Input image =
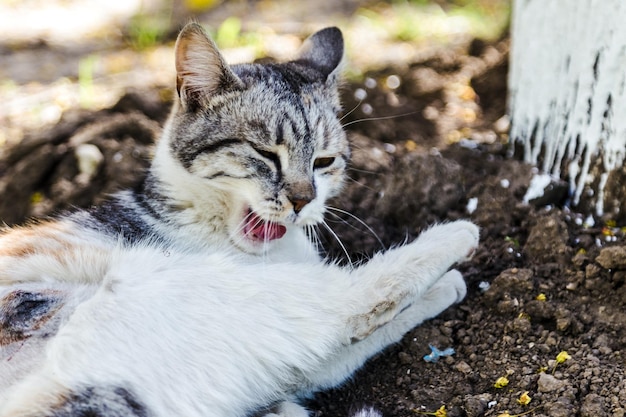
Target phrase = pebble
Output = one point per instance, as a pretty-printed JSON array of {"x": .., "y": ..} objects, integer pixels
[
  {"x": 548, "y": 383},
  {"x": 612, "y": 257},
  {"x": 474, "y": 406},
  {"x": 462, "y": 366},
  {"x": 593, "y": 406}
]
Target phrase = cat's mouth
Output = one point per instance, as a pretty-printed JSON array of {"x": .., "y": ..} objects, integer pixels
[{"x": 259, "y": 230}]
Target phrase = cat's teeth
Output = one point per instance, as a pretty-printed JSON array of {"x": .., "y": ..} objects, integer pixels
[{"x": 260, "y": 230}]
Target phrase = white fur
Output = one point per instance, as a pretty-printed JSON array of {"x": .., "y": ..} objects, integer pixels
[
  {"x": 209, "y": 322},
  {"x": 197, "y": 335}
]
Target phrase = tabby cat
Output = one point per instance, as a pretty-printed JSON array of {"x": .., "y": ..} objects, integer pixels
[{"x": 199, "y": 293}]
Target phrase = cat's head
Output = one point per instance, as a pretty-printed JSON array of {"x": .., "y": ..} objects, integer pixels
[{"x": 264, "y": 137}]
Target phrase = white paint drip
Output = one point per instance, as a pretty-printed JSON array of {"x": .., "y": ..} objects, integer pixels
[
  {"x": 537, "y": 186},
  {"x": 567, "y": 82}
]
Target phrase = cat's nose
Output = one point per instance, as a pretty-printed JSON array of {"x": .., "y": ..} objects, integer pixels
[
  {"x": 300, "y": 193},
  {"x": 299, "y": 202}
]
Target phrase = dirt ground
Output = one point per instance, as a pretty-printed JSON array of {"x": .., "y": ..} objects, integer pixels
[{"x": 545, "y": 279}]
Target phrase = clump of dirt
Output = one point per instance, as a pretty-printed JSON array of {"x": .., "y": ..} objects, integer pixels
[{"x": 543, "y": 281}]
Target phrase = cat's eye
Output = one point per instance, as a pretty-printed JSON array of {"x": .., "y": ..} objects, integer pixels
[
  {"x": 323, "y": 162},
  {"x": 266, "y": 154},
  {"x": 270, "y": 156}
]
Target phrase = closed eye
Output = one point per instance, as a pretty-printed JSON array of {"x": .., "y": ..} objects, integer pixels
[
  {"x": 266, "y": 154},
  {"x": 273, "y": 157},
  {"x": 320, "y": 163}
]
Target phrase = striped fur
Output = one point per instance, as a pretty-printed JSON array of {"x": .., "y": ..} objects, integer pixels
[{"x": 198, "y": 293}]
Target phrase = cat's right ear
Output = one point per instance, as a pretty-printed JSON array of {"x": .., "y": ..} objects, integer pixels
[{"x": 201, "y": 71}]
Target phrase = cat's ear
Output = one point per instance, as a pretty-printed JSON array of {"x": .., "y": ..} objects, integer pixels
[
  {"x": 201, "y": 71},
  {"x": 323, "y": 51}
]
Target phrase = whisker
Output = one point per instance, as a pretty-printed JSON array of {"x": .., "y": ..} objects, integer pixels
[
  {"x": 316, "y": 238},
  {"x": 241, "y": 226},
  {"x": 338, "y": 241},
  {"x": 353, "y": 109},
  {"x": 243, "y": 222},
  {"x": 347, "y": 213},
  {"x": 369, "y": 119},
  {"x": 362, "y": 171},
  {"x": 362, "y": 185}
]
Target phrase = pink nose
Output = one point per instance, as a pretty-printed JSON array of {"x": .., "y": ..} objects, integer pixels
[{"x": 299, "y": 203}]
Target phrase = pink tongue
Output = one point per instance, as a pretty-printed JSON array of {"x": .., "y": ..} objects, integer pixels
[{"x": 261, "y": 230}]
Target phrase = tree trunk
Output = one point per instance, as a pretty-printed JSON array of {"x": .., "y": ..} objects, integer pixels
[{"x": 567, "y": 96}]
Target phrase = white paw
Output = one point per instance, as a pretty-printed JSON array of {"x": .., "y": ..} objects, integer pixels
[
  {"x": 288, "y": 409},
  {"x": 461, "y": 237},
  {"x": 448, "y": 290},
  {"x": 453, "y": 281}
]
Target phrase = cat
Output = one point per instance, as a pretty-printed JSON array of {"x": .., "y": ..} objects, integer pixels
[{"x": 199, "y": 293}]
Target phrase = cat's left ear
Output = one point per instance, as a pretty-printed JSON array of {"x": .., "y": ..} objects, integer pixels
[
  {"x": 323, "y": 51},
  {"x": 201, "y": 70}
]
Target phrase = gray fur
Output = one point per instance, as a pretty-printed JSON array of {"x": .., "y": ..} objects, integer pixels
[
  {"x": 227, "y": 126},
  {"x": 100, "y": 402}
]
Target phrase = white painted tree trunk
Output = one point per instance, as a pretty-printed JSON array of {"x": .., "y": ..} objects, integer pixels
[{"x": 567, "y": 86}]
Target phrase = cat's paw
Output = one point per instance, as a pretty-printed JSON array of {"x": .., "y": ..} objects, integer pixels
[
  {"x": 460, "y": 238},
  {"x": 453, "y": 281},
  {"x": 288, "y": 409},
  {"x": 448, "y": 290}
]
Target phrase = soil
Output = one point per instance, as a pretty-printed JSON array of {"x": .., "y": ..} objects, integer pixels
[{"x": 545, "y": 279}]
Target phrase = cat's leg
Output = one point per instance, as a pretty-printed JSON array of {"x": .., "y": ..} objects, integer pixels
[
  {"x": 288, "y": 409},
  {"x": 404, "y": 286},
  {"x": 449, "y": 289},
  {"x": 402, "y": 275}
]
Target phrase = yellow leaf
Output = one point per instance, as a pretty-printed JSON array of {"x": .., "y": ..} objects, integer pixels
[
  {"x": 562, "y": 357},
  {"x": 541, "y": 297},
  {"x": 524, "y": 399},
  {"x": 441, "y": 412},
  {"x": 501, "y": 382}
]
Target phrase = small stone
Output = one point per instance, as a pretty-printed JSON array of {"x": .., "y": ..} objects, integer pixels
[
  {"x": 548, "y": 383},
  {"x": 521, "y": 325},
  {"x": 474, "y": 406},
  {"x": 505, "y": 307},
  {"x": 559, "y": 409},
  {"x": 462, "y": 366},
  {"x": 563, "y": 323},
  {"x": 593, "y": 406},
  {"x": 612, "y": 257},
  {"x": 509, "y": 283},
  {"x": 540, "y": 310},
  {"x": 592, "y": 271}
]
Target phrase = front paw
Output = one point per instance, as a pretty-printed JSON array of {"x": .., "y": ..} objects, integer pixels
[
  {"x": 460, "y": 238},
  {"x": 454, "y": 283},
  {"x": 448, "y": 290}
]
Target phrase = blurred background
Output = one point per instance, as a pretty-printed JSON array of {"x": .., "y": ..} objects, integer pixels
[
  {"x": 86, "y": 85},
  {"x": 61, "y": 54}
]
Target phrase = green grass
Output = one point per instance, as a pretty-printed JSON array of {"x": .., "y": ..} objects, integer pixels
[{"x": 417, "y": 20}]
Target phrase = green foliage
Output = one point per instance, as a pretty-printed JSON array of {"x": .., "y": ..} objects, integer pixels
[
  {"x": 228, "y": 33},
  {"x": 86, "y": 67},
  {"x": 414, "y": 20},
  {"x": 145, "y": 31}
]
